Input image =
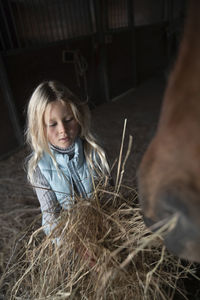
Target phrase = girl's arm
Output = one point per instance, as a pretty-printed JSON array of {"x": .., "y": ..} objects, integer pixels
[{"x": 48, "y": 202}]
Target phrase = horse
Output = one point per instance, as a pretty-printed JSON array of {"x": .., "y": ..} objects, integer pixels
[{"x": 169, "y": 172}]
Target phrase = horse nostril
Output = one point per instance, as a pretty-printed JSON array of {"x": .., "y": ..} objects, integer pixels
[
  {"x": 170, "y": 203},
  {"x": 148, "y": 221}
]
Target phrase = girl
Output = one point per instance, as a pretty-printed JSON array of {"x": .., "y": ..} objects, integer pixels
[{"x": 66, "y": 158}]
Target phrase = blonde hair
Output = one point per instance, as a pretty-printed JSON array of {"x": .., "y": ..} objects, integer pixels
[{"x": 36, "y": 137}]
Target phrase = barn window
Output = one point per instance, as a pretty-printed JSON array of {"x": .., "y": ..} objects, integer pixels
[
  {"x": 117, "y": 14},
  {"x": 35, "y": 22}
]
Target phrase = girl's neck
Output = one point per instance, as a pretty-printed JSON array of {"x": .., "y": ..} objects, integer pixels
[{"x": 63, "y": 150}]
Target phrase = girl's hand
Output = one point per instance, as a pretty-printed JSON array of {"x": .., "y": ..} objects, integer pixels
[{"x": 89, "y": 258}]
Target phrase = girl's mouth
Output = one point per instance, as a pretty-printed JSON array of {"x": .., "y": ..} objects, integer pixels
[{"x": 64, "y": 139}]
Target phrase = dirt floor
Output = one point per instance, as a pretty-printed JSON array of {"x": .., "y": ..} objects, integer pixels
[{"x": 141, "y": 108}]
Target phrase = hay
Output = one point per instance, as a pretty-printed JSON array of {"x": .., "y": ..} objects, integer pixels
[{"x": 105, "y": 252}]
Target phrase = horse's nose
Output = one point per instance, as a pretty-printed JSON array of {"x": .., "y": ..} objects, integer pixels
[{"x": 174, "y": 217}]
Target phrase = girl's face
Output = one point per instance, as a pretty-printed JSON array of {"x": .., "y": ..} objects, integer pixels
[{"x": 61, "y": 126}]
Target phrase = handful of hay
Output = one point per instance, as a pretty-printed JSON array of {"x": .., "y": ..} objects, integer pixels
[{"x": 104, "y": 252}]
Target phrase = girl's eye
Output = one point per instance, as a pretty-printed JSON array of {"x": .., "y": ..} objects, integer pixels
[
  {"x": 52, "y": 125},
  {"x": 69, "y": 120}
]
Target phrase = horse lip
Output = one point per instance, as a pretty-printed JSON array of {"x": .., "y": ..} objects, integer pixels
[
  {"x": 181, "y": 237},
  {"x": 167, "y": 223}
]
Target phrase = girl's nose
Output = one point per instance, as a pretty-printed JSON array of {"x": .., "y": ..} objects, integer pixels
[{"x": 62, "y": 128}]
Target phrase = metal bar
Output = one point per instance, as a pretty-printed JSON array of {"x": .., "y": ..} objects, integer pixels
[
  {"x": 168, "y": 9},
  {"x": 76, "y": 18},
  {"x": 163, "y": 14},
  {"x": 120, "y": 10},
  {"x": 21, "y": 24},
  {"x": 104, "y": 14},
  {"x": 52, "y": 21},
  {"x": 124, "y": 14},
  {"x": 83, "y": 18},
  {"x": 14, "y": 23},
  {"x": 103, "y": 72},
  {"x": 45, "y": 21},
  {"x": 131, "y": 24},
  {"x": 40, "y": 19},
  {"x": 75, "y": 9},
  {"x": 126, "y": 9},
  {"x": 36, "y": 12},
  {"x": 6, "y": 26},
  {"x": 123, "y": 11},
  {"x": 88, "y": 17},
  {"x": 62, "y": 25},
  {"x": 2, "y": 41},
  {"x": 119, "y": 16},
  {"x": 30, "y": 31},
  {"x": 93, "y": 17},
  {"x": 60, "y": 19},
  {"x": 110, "y": 16},
  {"x": 130, "y": 11},
  {"x": 56, "y": 19},
  {"x": 10, "y": 102},
  {"x": 68, "y": 23},
  {"x": 32, "y": 14},
  {"x": 116, "y": 17},
  {"x": 49, "y": 18},
  {"x": 65, "y": 25}
]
